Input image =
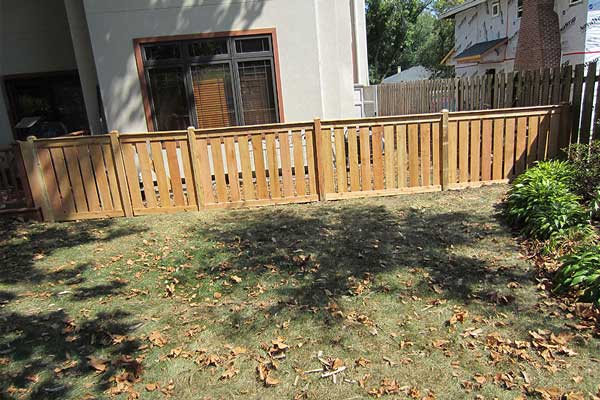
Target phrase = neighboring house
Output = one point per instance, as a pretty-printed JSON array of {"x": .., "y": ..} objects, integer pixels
[
  {"x": 505, "y": 35},
  {"x": 415, "y": 73},
  {"x": 145, "y": 65}
]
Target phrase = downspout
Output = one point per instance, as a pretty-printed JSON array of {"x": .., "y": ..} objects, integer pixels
[{"x": 319, "y": 58}]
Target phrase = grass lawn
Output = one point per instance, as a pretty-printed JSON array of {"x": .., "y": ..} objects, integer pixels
[{"x": 422, "y": 296}]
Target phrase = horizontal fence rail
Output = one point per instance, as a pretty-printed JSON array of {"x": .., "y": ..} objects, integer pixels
[{"x": 164, "y": 172}]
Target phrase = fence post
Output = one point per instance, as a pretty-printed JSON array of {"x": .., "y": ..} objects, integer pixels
[
  {"x": 191, "y": 137},
  {"x": 444, "y": 167},
  {"x": 565, "y": 127},
  {"x": 115, "y": 145},
  {"x": 35, "y": 178},
  {"x": 317, "y": 145},
  {"x": 22, "y": 175}
]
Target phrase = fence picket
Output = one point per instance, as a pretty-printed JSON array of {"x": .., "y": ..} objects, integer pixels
[
  {"x": 366, "y": 176},
  {"x": 299, "y": 172},
  {"x": 377, "y": 148}
]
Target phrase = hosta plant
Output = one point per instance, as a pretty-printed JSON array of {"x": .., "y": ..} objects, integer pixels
[
  {"x": 541, "y": 204},
  {"x": 580, "y": 273}
]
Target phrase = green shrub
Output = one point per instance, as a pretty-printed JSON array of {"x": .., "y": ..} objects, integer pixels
[
  {"x": 541, "y": 203},
  {"x": 580, "y": 272},
  {"x": 586, "y": 173}
]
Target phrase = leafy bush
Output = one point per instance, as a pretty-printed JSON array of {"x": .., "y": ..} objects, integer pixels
[
  {"x": 541, "y": 203},
  {"x": 586, "y": 177},
  {"x": 581, "y": 272}
]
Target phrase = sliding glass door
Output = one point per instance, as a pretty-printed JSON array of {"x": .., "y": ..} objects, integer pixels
[{"x": 167, "y": 88}]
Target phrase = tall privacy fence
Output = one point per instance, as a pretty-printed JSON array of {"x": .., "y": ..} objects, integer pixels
[
  {"x": 576, "y": 85},
  {"x": 150, "y": 173}
]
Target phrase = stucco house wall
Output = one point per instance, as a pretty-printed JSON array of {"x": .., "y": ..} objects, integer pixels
[
  {"x": 314, "y": 43},
  {"x": 34, "y": 38}
]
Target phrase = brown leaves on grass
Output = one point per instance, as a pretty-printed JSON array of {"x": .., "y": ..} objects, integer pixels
[
  {"x": 362, "y": 362},
  {"x": 457, "y": 316},
  {"x": 124, "y": 381},
  {"x": 229, "y": 372},
  {"x": 98, "y": 364},
  {"x": 157, "y": 339},
  {"x": 554, "y": 393},
  {"x": 264, "y": 369},
  {"x": 278, "y": 348},
  {"x": 500, "y": 346},
  {"x": 392, "y": 387}
]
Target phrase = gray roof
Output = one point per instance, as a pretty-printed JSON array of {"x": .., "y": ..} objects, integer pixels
[
  {"x": 462, "y": 7},
  {"x": 415, "y": 73},
  {"x": 480, "y": 48}
]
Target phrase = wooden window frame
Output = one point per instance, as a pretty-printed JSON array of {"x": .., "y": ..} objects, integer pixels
[{"x": 138, "y": 44}]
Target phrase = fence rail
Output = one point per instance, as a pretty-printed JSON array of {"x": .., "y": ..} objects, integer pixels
[
  {"x": 162, "y": 172},
  {"x": 578, "y": 85}
]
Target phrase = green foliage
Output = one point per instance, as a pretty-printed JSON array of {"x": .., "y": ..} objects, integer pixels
[
  {"x": 586, "y": 163},
  {"x": 580, "y": 272},
  {"x": 542, "y": 205},
  {"x": 388, "y": 25},
  {"x": 406, "y": 33}
]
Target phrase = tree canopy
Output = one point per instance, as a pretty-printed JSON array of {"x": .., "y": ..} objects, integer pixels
[{"x": 406, "y": 33}]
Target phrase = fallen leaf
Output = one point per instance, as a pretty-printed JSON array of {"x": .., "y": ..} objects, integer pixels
[
  {"x": 157, "y": 339},
  {"x": 97, "y": 364},
  {"x": 151, "y": 387}
]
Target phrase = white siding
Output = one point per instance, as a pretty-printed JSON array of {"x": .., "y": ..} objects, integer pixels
[{"x": 477, "y": 25}]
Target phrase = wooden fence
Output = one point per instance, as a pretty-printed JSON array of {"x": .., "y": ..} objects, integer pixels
[
  {"x": 14, "y": 189},
  {"x": 578, "y": 85},
  {"x": 163, "y": 172}
]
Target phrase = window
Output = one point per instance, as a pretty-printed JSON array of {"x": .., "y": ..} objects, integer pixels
[
  {"x": 210, "y": 83},
  {"x": 55, "y": 99},
  {"x": 495, "y": 9},
  {"x": 519, "y": 8}
]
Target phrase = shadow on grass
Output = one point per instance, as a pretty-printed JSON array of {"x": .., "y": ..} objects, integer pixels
[
  {"x": 330, "y": 249},
  {"x": 21, "y": 243},
  {"x": 51, "y": 342},
  {"x": 47, "y": 348}
]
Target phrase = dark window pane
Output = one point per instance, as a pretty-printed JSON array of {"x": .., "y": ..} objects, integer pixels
[
  {"x": 252, "y": 45},
  {"x": 258, "y": 94},
  {"x": 169, "y": 99},
  {"x": 57, "y": 100},
  {"x": 208, "y": 48},
  {"x": 162, "y": 51},
  {"x": 213, "y": 95}
]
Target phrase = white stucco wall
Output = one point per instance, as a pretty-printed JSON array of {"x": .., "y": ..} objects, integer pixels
[
  {"x": 314, "y": 42},
  {"x": 86, "y": 66},
  {"x": 34, "y": 37}
]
